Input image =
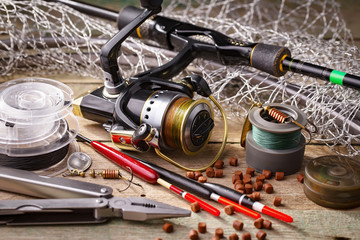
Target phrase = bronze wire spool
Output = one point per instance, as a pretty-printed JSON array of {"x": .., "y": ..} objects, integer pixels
[{"x": 333, "y": 182}]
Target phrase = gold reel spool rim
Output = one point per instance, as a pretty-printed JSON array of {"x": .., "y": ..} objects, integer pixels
[{"x": 221, "y": 150}]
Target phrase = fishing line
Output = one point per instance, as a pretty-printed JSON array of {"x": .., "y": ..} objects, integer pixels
[
  {"x": 275, "y": 141},
  {"x": 32, "y": 163}
]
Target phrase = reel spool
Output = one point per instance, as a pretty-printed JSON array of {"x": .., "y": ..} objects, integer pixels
[
  {"x": 333, "y": 181},
  {"x": 36, "y": 123},
  {"x": 274, "y": 144}
]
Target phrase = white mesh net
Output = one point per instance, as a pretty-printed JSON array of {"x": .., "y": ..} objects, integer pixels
[{"x": 40, "y": 37}]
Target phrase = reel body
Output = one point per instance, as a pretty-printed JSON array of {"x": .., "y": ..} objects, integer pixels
[{"x": 154, "y": 112}]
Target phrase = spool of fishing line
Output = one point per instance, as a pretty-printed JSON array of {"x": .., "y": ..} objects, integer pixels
[
  {"x": 333, "y": 181},
  {"x": 275, "y": 143},
  {"x": 37, "y": 126}
]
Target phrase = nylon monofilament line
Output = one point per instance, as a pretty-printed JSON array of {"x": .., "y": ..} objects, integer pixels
[{"x": 37, "y": 126}]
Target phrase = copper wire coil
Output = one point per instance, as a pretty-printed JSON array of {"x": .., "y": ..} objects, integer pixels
[
  {"x": 278, "y": 115},
  {"x": 110, "y": 174}
]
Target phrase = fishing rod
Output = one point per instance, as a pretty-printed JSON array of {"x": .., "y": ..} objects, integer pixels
[{"x": 197, "y": 42}]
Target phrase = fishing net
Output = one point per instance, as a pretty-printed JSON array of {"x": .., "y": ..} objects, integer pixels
[{"x": 38, "y": 38}]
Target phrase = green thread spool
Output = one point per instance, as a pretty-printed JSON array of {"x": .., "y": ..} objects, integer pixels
[
  {"x": 271, "y": 140},
  {"x": 275, "y": 146}
]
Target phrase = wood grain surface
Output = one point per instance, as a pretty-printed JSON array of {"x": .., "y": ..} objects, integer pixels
[{"x": 311, "y": 221}]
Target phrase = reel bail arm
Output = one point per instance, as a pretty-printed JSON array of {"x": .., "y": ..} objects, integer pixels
[{"x": 114, "y": 82}]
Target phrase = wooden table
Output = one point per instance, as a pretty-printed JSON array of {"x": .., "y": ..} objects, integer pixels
[{"x": 311, "y": 221}]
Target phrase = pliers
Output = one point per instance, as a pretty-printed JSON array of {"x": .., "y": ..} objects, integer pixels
[
  {"x": 83, "y": 202},
  {"x": 84, "y": 210}
]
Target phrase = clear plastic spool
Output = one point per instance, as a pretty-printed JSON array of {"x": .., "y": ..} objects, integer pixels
[
  {"x": 35, "y": 117},
  {"x": 333, "y": 181}
]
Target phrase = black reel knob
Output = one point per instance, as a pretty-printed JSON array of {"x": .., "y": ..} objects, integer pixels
[
  {"x": 140, "y": 135},
  {"x": 201, "y": 128}
]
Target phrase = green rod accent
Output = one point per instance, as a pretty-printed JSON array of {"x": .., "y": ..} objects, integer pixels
[{"x": 337, "y": 77}]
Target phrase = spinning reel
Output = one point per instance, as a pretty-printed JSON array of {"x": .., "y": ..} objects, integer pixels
[{"x": 148, "y": 110}]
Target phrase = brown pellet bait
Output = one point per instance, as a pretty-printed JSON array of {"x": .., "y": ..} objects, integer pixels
[
  {"x": 168, "y": 227},
  {"x": 247, "y": 175},
  {"x": 250, "y": 171},
  {"x": 256, "y": 196},
  {"x": 233, "y": 161},
  {"x": 190, "y": 175},
  {"x": 195, "y": 207},
  {"x": 238, "y": 182},
  {"x": 193, "y": 235},
  {"x": 202, "y": 179},
  {"x": 239, "y": 173},
  {"x": 279, "y": 176},
  {"x": 210, "y": 172},
  {"x": 267, "y": 174},
  {"x": 261, "y": 235},
  {"x": 258, "y": 223},
  {"x": 202, "y": 227},
  {"x": 219, "y": 173},
  {"x": 260, "y": 178},
  {"x": 300, "y": 177},
  {"x": 258, "y": 186},
  {"x": 235, "y": 178},
  {"x": 219, "y": 232},
  {"x": 197, "y": 175},
  {"x": 248, "y": 188},
  {"x": 246, "y": 236},
  {"x": 234, "y": 236},
  {"x": 246, "y": 179},
  {"x": 267, "y": 224},
  {"x": 229, "y": 209},
  {"x": 277, "y": 201},
  {"x": 215, "y": 238},
  {"x": 268, "y": 188},
  {"x": 239, "y": 186},
  {"x": 238, "y": 225},
  {"x": 219, "y": 164}
]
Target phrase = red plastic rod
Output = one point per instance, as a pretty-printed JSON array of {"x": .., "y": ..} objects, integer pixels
[
  {"x": 140, "y": 170},
  {"x": 276, "y": 214},
  {"x": 191, "y": 198}
]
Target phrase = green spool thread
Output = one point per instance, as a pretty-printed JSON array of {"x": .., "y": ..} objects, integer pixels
[{"x": 276, "y": 141}]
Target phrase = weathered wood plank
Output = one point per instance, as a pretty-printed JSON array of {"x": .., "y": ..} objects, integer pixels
[{"x": 310, "y": 220}]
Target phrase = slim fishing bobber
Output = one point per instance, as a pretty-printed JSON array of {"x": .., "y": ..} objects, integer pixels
[{"x": 275, "y": 142}]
